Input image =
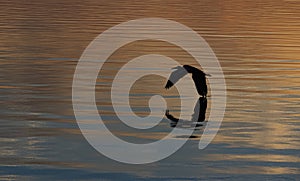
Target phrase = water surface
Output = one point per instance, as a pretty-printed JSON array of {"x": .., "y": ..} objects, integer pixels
[{"x": 256, "y": 42}]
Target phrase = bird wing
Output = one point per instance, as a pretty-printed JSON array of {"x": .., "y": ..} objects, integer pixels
[
  {"x": 175, "y": 76},
  {"x": 200, "y": 83}
]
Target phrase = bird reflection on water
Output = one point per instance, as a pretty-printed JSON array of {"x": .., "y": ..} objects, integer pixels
[{"x": 197, "y": 117}]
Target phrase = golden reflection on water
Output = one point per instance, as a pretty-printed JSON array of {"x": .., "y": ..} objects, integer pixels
[
  {"x": 255, "y": 157},
  {"x": 258, "y": 170}
]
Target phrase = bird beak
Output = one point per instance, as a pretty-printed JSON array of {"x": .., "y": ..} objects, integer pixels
[{"x": 208, "y": 75}]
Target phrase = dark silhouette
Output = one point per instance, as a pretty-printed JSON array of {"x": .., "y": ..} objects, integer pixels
[
  {"x": 198, "y": 116},
  {"x": 199, "y": 78}
]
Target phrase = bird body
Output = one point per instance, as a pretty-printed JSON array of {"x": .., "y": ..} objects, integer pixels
[{"x": 198, "y": 76}]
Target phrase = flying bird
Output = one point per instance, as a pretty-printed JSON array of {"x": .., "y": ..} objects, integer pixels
[{"x": 199, "y": 78}]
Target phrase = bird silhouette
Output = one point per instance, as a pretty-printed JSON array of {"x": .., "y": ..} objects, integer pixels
[{"x": 199, "y": 78}]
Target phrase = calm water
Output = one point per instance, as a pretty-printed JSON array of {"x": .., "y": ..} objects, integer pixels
[{"x": 256, "y": 42}]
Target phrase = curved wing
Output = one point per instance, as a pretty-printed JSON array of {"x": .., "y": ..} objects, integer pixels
[{"x": 175, "y": 76}]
